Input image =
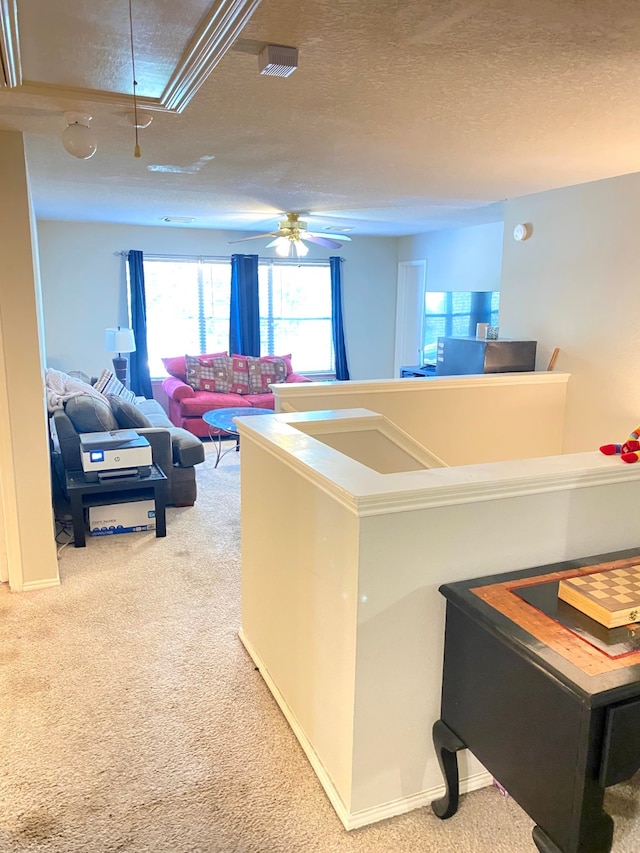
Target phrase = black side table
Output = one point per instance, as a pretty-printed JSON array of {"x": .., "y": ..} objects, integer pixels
[
  {"x": 547, "y": 702},
  {"x": 83, "y": 494}
]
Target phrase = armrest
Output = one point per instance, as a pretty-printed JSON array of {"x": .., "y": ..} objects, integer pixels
[
  {"x": 176, "y": 389},
  {"x": 297, "y": 377},
  {"x": 68, "y": 441},
  {"x": 161, "y": 451}
]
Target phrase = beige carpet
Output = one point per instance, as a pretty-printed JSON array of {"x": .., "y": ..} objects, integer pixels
[{"x": 132, "y": 719}]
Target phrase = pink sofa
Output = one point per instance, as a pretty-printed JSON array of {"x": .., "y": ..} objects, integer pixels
[{"x": 187, "y": 405}]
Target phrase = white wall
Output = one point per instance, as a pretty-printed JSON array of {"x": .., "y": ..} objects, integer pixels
[
  {"x": 25, "y": 482},
  {"x": 574, "y": 284},
  {"x": 459, "y": 259},
  {"x": 84, "y": 288}
]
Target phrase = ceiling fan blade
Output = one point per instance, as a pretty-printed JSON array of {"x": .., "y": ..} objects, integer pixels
[
  {"x": 321, "y": 241},
  {"x": 272, "y": 243},
  {"x": 342, "y": 237},
  {"x": 256, "y": 237}
]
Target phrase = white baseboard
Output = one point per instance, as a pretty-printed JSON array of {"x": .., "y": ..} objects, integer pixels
[
  {"x": 354, "y": 820},
  {"x": 31, "y": 585}
]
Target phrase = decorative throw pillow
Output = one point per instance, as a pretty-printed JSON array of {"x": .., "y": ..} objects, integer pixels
[
  {"x": 239, "y": 374},
  {"x": 176, "y": 365},
  {"x": 215, "y": 374},
  {"x": 109, "y": 385},
  {"x": 192, "y": 368},
  {"x": 264, "y": 372},
  {"x": 127, "y": 415},
  {"x": 286, "y": 358},
  {"x": 90, "y": 414}
]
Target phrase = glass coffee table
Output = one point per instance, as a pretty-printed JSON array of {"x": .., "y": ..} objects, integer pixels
[{"x": 222, "y": 420}]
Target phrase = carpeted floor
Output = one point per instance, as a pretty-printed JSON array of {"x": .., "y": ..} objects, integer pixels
[{"x": 132, "y": 719}]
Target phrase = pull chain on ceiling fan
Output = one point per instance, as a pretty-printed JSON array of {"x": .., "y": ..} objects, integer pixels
[{"x": 290, "y": 237}]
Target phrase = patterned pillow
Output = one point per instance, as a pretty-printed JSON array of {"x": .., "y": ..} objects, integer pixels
[
  {"x": 209, "y": 373},
  {"x": 239, "y": 374},
  {"x": 176, "y": 365},
  {"x": 192, "y": 370},
  {"x": 264, "y": 372},
  {"x": 215, "y": 374},
  {"x": 286, "y": 358},
  {"x": 109, "y": 385}
]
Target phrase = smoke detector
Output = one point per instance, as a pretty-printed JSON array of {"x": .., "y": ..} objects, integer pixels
[{"x": 276, "y": 60}]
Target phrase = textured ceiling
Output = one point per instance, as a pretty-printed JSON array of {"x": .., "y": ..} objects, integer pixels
[{"x": 401, "y": 117}]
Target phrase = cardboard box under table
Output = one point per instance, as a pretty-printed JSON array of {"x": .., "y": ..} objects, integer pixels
[{"x": 130, "y": 517}]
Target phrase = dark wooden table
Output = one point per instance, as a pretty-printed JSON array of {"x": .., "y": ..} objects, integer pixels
[
  {"x": 545, "y": 698},
  {"x": 117, "y": 490}
]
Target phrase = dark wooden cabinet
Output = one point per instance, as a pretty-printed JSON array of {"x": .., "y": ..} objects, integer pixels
[{"x": 554, "y": 718}]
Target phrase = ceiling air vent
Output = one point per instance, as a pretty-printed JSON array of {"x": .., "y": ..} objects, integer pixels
[{"x": 278, "y": 61}]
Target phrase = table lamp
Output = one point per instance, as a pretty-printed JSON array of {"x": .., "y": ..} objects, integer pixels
[{"x": 120, "y": 340}]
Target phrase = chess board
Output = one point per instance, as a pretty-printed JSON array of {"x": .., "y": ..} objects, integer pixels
[{"x": 611, "y": 597}]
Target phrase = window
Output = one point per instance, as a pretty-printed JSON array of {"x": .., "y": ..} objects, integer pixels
[
  {"x": 456, "y": 313},
  {"x": 295, "y": 313},
  {"x": 188, "y": 309}
]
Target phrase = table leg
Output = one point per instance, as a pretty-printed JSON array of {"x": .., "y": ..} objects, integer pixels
[
  {"x": 446, "y": 745},
  {"x": 543, "y": 842},
  {"x": 217, "y": 439},
  {"x": 77, "y": 519},
  {"x": 160, "y": 498}
]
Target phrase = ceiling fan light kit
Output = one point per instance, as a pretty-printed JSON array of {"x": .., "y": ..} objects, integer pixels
[
  {"x": 290, "y": 235},
  {"x": 79, "y": 138},
  {"x": 276, "y": 60}
]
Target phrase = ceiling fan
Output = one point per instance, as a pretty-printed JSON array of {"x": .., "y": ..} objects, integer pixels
[{"x": 290, "y": 235}]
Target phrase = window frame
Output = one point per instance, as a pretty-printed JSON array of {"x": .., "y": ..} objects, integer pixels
[{"x": 270, "y": 317}]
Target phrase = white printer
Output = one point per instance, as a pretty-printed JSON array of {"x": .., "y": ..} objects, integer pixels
[{"x": 118, "y": 453}]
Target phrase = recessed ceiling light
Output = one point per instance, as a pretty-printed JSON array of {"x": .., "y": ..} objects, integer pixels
[{"x": 183, "y": 219}]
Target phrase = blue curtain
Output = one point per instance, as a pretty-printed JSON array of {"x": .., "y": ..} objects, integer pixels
[
  {"x": 244, "y": 319},
  {"x": 342, "y": 369},
  {"x": 139, "y": 376}
]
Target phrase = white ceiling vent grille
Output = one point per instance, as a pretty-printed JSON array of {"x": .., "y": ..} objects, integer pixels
[{"x": 278, "y": 61}]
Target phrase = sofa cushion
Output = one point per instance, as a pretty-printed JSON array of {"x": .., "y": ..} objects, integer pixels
[
  {"x": 261, "y": 401},
  {"x": 90, "y": 414},
  {"x": 110, "y": 385},
  {"x": 154, "y": 413},
  {"x": 264, "y": 372},
  {"x": 128, "y": 415},
  {"x": 177, "y": 365},
  {"x": 204, "y": 401}
]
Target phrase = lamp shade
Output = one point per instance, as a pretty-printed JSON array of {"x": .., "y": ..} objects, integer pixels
[{"x": 119, "y": 340}]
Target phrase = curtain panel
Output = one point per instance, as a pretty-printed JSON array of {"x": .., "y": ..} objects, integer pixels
[
  {"x": 337, "y": 326},
  {"x": 139, "y": 376},
  {"x": 244, "y": 320}
]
